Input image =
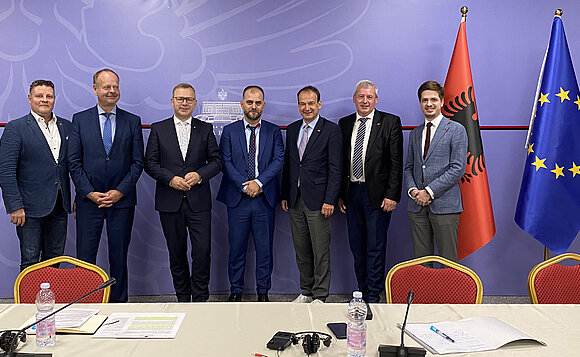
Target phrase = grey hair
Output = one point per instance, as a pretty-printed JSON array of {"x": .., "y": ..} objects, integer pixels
[{"x": 367, "y": 84}]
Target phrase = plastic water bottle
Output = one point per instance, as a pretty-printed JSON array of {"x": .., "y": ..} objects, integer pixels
[
  {"x": 45, "y": 330},
  {"x": 356, "y": 331}
]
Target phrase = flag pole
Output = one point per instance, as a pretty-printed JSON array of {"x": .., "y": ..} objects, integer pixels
[
  {"x": 464, "y": 10},
  {"x": 559, "y": 13}
]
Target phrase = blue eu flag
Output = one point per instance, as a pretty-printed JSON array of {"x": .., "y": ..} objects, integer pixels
[{"x": 549, "y": 202}]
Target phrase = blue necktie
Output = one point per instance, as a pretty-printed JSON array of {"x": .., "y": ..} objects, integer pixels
[
  {"x": 252, "y": 153},
  {"x": 357, "y": 164},
  {"x": 107, "y": 133}
]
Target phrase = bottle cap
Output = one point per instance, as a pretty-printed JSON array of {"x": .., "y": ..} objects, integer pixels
[
  {"x": 45, "y": 286},
  {"x": 357, "y": 294}
]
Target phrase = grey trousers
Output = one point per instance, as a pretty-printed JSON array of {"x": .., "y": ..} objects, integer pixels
[
  {"x": 311, "y": 236},
  {"x": 429, "y": 228}
]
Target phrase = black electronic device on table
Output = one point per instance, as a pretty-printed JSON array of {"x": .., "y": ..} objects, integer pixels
[
  {"x": 402, "y": 351},
  {"x": 338, "y": 329},
  {"x": 280, "y": 341}
]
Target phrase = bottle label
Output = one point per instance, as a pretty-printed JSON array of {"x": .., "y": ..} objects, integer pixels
[{"x": 357, "y": 340}]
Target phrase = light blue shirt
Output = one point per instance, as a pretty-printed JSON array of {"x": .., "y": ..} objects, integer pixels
[
  {"x": 103, "y": 119},
  {"x": 312, "y": 125}
]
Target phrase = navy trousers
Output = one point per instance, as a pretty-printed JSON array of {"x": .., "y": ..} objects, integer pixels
[
  {"x": 256, "y": 216},
  {"x": 90, "y": 220},
  {"x": 367, "y": 232}
]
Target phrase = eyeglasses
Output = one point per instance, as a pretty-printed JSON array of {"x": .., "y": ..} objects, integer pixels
[{"x": 182, "y": 99}]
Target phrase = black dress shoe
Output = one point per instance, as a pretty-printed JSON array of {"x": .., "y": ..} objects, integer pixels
[
  {"x": 235, "y": 298},
  {"x": 263, "y": 298}
]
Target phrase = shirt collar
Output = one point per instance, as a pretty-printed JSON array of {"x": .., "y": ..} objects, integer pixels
[
  {"x": 102, "y": 111},
  {"x": 178, "y": 121},
  {"x": 370, "y": 116},
  {"x": 41, "y": 119},
  {"x": 312, "y": 123},
  {"x": 258, "y": 124},
  {"x": 435, "y": 121}
]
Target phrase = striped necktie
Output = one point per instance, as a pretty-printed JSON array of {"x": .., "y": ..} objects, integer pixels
[
  {"x": 107, "y": 133},
  {"x": 357, "y": 162}
]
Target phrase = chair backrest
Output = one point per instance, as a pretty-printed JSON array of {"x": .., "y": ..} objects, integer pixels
[
  {"x": 553, "y": 283},
  {"x": 454, "y": 284},
  {"x": 67, "y": 284}
]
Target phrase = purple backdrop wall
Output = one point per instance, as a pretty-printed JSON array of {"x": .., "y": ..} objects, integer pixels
[{"x": 222, "y": 46}]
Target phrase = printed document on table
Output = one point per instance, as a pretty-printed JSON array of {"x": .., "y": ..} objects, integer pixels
[
  {"x": 468, "y": 335},
  {"x": 141, "y": 325},
  {"x": 72, "y": 321}
]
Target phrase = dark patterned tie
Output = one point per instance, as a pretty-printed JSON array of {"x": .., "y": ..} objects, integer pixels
[
  {"x": 252, "y": 153},
  {"x": 107, "y": 133},
  {"x": 427, "y": 139},
  {"x": 357, "y": 163}
]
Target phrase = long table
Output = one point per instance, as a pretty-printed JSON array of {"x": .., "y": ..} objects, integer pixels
[{"x": 239, "y": 329}]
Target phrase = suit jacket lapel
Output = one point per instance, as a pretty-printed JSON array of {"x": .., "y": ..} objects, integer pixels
[
  {"x": 417, "y": 138},
  {"x": 376, "y": 126},
  {"x": 243, "y": 147},
  {"x": 63, "y": 140},
  {"x": 36, "y": 129},
  {"x": 262, "y": 144},
  {"x": 120, "y": 127}
]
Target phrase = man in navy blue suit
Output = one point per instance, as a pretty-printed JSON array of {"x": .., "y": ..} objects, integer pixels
[
  {"x": 371, "y": 185},
  {"x": 253, "y": 154},
  {"x": 105, "y": 160},
  {"x": 34, "y": 176},
  {"x": 182, "y": 156},
  {"x": 310, "y": 187}
]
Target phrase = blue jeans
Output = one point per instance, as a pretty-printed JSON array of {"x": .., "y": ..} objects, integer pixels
[{"x": 42, "y": 238}]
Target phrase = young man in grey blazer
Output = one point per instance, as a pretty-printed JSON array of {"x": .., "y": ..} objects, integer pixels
[{"x": 435, "y": 162}]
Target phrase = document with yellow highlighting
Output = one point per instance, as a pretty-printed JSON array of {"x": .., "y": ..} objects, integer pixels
[{"x": 141, "y": 325}]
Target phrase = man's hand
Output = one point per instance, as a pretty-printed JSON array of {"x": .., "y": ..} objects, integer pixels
[
  {"x": 96, "y": 197},
  {"x": 179, "y": 183},
  {"x": 388, "y": 205},
  {"x": 341, "y": 206},
  {"x": 327, "y": 210},
  {"x": 422, "y": 198},
  {"x": 111, "y": 197},
  {"x": 18, "y": 217},
  {"x": 192, "y": 179},
  {"x": 252, "y": 188},
  {"x": 284, "y": 204}
]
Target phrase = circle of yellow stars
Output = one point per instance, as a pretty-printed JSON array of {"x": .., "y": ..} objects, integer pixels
[{"x": 539, "y": 163}]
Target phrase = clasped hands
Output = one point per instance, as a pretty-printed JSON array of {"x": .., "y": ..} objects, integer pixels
[
  {"x": 107, "y": 199},
  {"x": 421, "y": 197},
  {"x": 185, "y": 183}
]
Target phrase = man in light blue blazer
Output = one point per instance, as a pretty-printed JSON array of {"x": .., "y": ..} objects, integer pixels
[
  {"x": 435, "y": 162},
  {"x": 253, "y": 153},
  {"x": 34, "y": 176}
]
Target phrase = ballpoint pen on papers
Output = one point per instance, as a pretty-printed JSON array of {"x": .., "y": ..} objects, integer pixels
[{"x": 437, "y": 331}]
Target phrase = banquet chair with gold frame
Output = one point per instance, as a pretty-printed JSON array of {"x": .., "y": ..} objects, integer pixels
[
  {"x": 553, "y": 283},
  {"x": 452, "y": 284},
  {"x": 67, "y": 284}
]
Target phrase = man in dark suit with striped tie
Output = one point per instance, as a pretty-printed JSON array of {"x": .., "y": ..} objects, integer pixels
[{"x": 371, "y": 185}]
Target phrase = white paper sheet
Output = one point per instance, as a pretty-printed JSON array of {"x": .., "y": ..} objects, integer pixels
[{"x": 141, "y": 325}]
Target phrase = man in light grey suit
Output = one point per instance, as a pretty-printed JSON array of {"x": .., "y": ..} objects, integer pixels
[{"x": 435, "y": 162}]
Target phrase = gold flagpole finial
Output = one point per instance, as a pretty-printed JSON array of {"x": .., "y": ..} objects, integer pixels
[
  {"x": 558, "y": 12},
  {"x": 464, "y": 11}
]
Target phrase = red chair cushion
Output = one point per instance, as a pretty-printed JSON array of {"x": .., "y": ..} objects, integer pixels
[
  {"x": 67, "y": 284},
  {"x": 558, "y": 284},
  {"x": 433, "y": 286}
]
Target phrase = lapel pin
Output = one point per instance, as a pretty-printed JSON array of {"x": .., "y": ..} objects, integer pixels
[
  {"x": 318, "y": 130},
  {"x": 378, "y": 123}
]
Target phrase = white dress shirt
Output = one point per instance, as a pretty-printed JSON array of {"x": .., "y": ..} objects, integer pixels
[{"x": 51, "y": 133}]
